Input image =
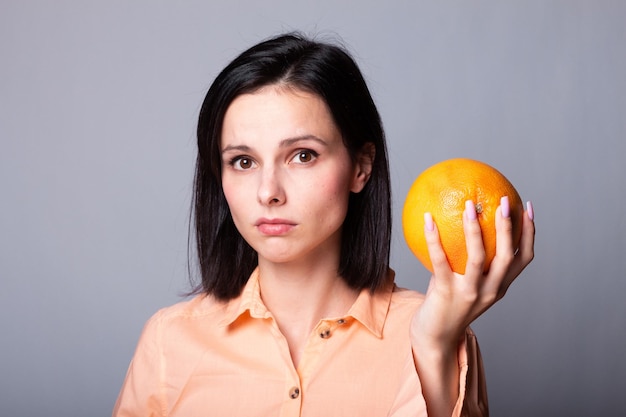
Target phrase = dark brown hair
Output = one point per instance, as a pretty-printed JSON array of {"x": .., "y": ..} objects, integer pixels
[{"x": 225, "y": 258}]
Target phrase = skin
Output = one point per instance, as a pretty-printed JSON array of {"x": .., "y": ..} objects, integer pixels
[
  {"x": 454, "y": 301},
  {"x": 287, "y": 177}
]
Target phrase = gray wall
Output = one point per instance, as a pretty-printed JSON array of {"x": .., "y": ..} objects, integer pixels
[{"x": 98, "y": 103}]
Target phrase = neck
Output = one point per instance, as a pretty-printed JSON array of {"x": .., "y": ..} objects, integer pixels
[
  {"x": 305, "y": 291},
  {"x": 299, "y": 297}
]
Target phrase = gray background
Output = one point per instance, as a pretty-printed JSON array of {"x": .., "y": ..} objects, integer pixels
[{"x": 98, "y": 102}]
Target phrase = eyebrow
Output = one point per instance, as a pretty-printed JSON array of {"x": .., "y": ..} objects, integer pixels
[{"x": 283, "y": 143}]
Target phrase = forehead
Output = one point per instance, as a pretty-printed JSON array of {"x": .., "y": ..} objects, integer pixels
[{"x": 277, "y": 111}]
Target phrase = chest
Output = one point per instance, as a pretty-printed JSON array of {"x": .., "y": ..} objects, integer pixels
[{"x": 344, "y": 370}]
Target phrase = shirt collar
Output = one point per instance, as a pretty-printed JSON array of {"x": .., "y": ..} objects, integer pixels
[
  {"x": 369, "y": 309},
  {"x": 248, "y": 301}
]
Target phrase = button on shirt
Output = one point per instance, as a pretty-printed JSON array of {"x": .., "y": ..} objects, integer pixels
[{"x": 205, "y": 357}]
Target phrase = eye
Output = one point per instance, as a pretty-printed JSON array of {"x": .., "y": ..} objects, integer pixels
[
  {"x": 242, "y": 163},
  {"x": 304, "y": 156}
]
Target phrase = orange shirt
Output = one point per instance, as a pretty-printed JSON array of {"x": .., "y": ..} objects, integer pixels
[{"x": 204, "y": 357}]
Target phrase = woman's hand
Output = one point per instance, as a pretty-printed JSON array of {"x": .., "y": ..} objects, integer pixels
[{"x": 453, "y": 301}]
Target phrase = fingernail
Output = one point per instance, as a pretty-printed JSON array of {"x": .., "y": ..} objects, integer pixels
[
  {"x": 428, "y": 222},
  {"x": 530, "y": 211},
  {"x": 505, "y": 209},
  {"x": 470, "y": 210}
]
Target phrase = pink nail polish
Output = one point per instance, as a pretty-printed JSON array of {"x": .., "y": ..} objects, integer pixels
[
  {"x": 505, "y": 209},
  {"x": 530, "y": 211},
  {"x": 428, "y": 222},
  {"x": 470, "y": 210}
]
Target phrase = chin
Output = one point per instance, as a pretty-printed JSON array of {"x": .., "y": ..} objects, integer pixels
[
  {"x": 275, "y": 255},
  {"x": 277, "y": 259}
]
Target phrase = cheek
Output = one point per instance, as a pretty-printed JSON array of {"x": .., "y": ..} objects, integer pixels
[
  {"x": 233, "y": 195},
  {"x": 331, "y": 196}
]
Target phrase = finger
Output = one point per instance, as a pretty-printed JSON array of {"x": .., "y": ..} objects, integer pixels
[
  {"x": 438, "y": 258},
  {"x": 502, "y": 268},
  {"x": 525, "y": 253},
  {"x": 527, "y": 243},
  {"x": 505, "y": 250},
  {"x": 473, "y": 242}
]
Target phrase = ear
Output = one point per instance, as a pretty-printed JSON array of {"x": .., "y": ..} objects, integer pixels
[{"x": 363, "y": 167}]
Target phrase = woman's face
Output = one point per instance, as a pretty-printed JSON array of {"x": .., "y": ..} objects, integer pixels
[{"x": 287, "y": 175}]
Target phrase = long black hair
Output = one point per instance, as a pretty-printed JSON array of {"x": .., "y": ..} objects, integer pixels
[{"x": 225, "y": 258}]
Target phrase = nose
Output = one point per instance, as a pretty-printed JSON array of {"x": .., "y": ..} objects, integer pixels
[{"x": 271, "y": 191}]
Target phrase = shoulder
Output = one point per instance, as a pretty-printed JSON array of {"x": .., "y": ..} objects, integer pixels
[
  {"x": 403, "y": 297},
  {"x": 403, "y": 303},
  {"x": 183, "y": 330},
  {"x": 201, "y": 307},
  {"x": 400, "y": 295},
  {"x": 397, "y": 300}
]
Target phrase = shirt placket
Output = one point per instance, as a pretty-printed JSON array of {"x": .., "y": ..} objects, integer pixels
[{"x": 309, "y": 362}]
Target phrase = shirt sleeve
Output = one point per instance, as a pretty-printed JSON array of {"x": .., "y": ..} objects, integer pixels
[
  {"x": 472, "y": 401},
  {"x": 140, "y": 393}
]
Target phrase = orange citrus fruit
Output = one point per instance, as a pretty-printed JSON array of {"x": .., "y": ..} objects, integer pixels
[{"x": 442, "y": 191}]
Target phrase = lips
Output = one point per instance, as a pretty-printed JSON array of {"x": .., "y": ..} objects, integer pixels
[{"x": 274, "y": 227}]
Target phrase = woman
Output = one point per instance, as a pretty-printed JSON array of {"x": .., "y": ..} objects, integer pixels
[{"x": 297, "y": 313}]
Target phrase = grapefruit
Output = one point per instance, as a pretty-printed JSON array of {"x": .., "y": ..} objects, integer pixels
[{"x": 442, "y": 191}]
